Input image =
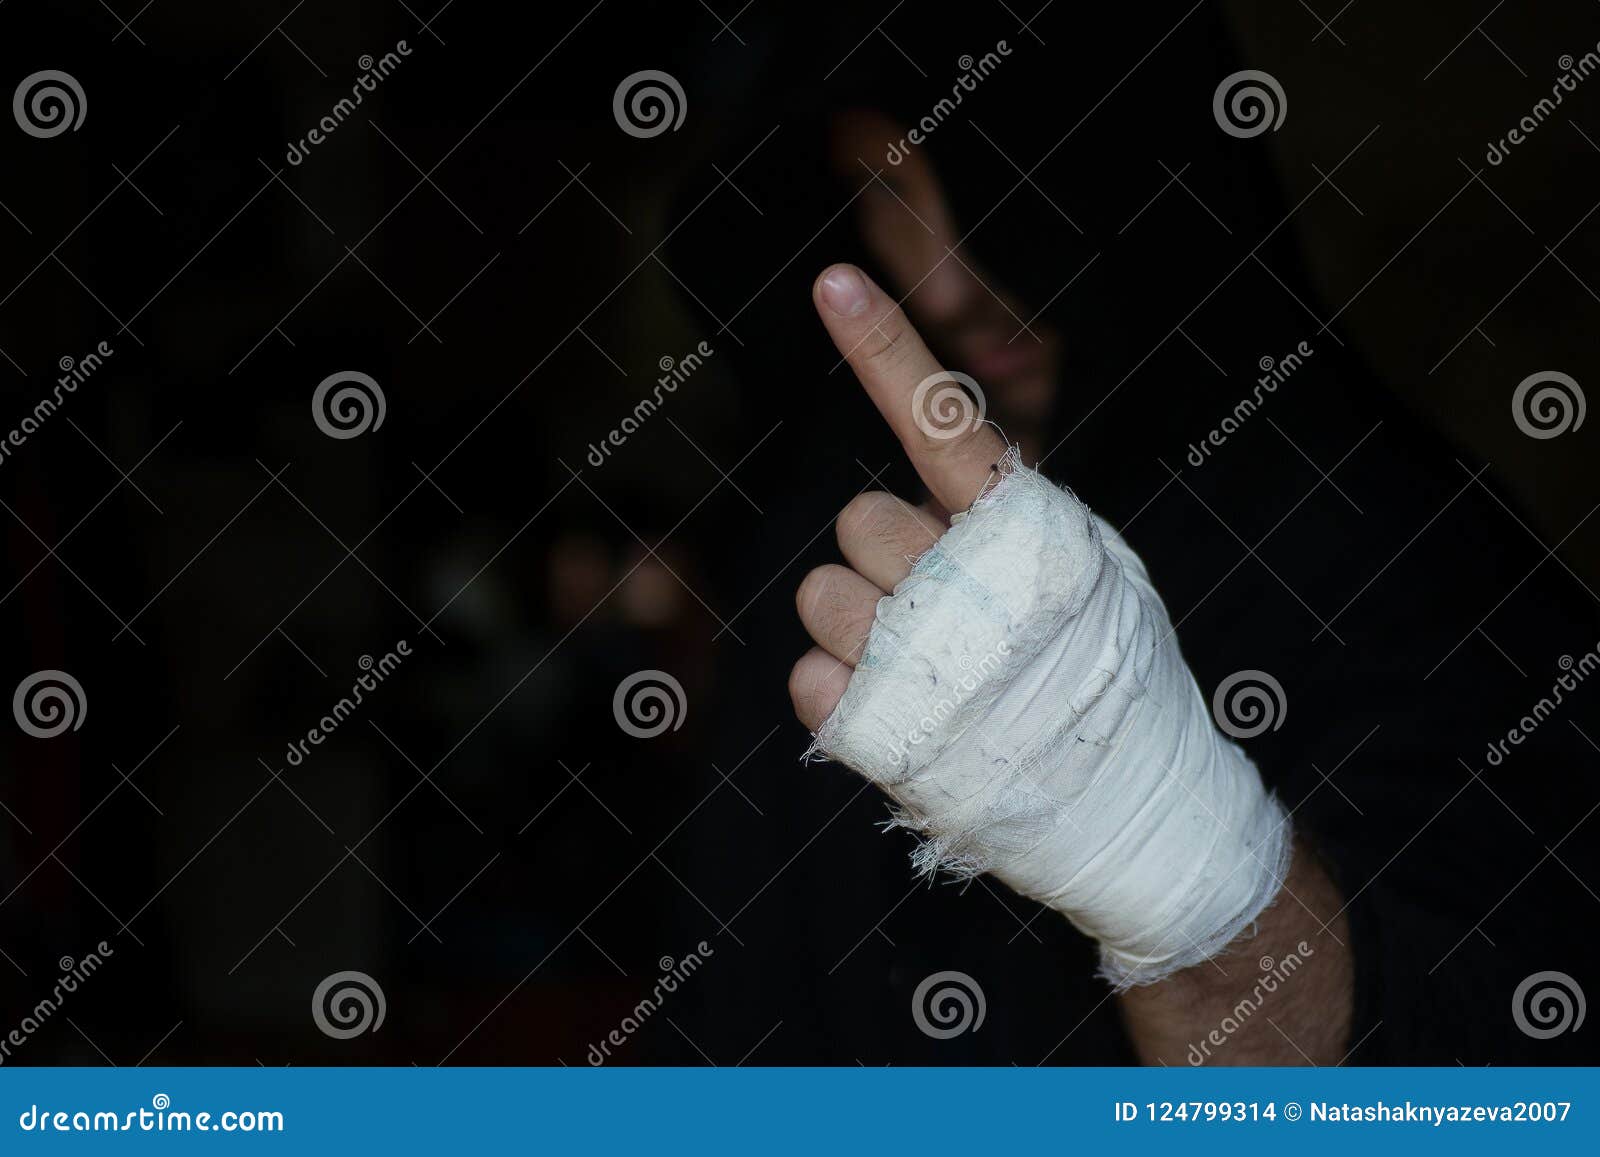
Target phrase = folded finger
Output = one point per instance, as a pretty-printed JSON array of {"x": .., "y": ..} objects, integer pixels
[
  {"x": 816, "y": 684},
  {"x": 837, "y": 607},
  {"x": 882, "y": 535}
]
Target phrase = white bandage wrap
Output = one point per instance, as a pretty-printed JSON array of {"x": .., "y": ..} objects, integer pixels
[{"x": 1022, "y": 700}]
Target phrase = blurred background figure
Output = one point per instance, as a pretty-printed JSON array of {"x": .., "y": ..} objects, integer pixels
[{"x": 484, "y": 838}]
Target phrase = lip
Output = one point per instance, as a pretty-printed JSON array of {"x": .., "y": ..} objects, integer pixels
[{"x": 1002, "y": 361}]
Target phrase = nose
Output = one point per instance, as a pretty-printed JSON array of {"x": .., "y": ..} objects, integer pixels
[{"x": 949, "y": 293}]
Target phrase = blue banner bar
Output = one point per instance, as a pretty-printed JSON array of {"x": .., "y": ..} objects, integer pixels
[{"x": 832, "y": 1111}]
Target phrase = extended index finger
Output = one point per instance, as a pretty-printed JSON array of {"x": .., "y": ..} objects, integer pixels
[{"x": 936, "y": 420}]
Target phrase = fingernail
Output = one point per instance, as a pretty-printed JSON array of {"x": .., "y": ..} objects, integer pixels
[{"x": 844, "y": 291}]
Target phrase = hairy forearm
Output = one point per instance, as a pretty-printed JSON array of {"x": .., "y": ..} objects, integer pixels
[{"x": 1279, "y": 996}]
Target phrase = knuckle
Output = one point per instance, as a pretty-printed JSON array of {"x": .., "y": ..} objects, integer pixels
[
  {"x": 965, "y": 445},
  {"x": 816, "y": 682},
  {"x": 801, "y": 686},
  {"x": 863, "y": 519},
  {"x": 812, "y": 592},
  {"x": 886, "y": 344},
  {"x": 952, "y": 444}
]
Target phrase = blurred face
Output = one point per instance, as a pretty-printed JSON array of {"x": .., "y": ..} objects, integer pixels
[{"x": 910, "y": 231}]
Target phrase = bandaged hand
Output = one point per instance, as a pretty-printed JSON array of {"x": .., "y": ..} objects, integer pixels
[{"x": 1010, "y": 679}]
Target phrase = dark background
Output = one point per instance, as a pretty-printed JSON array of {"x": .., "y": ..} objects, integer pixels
[{"x": 484, "y": 240}]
